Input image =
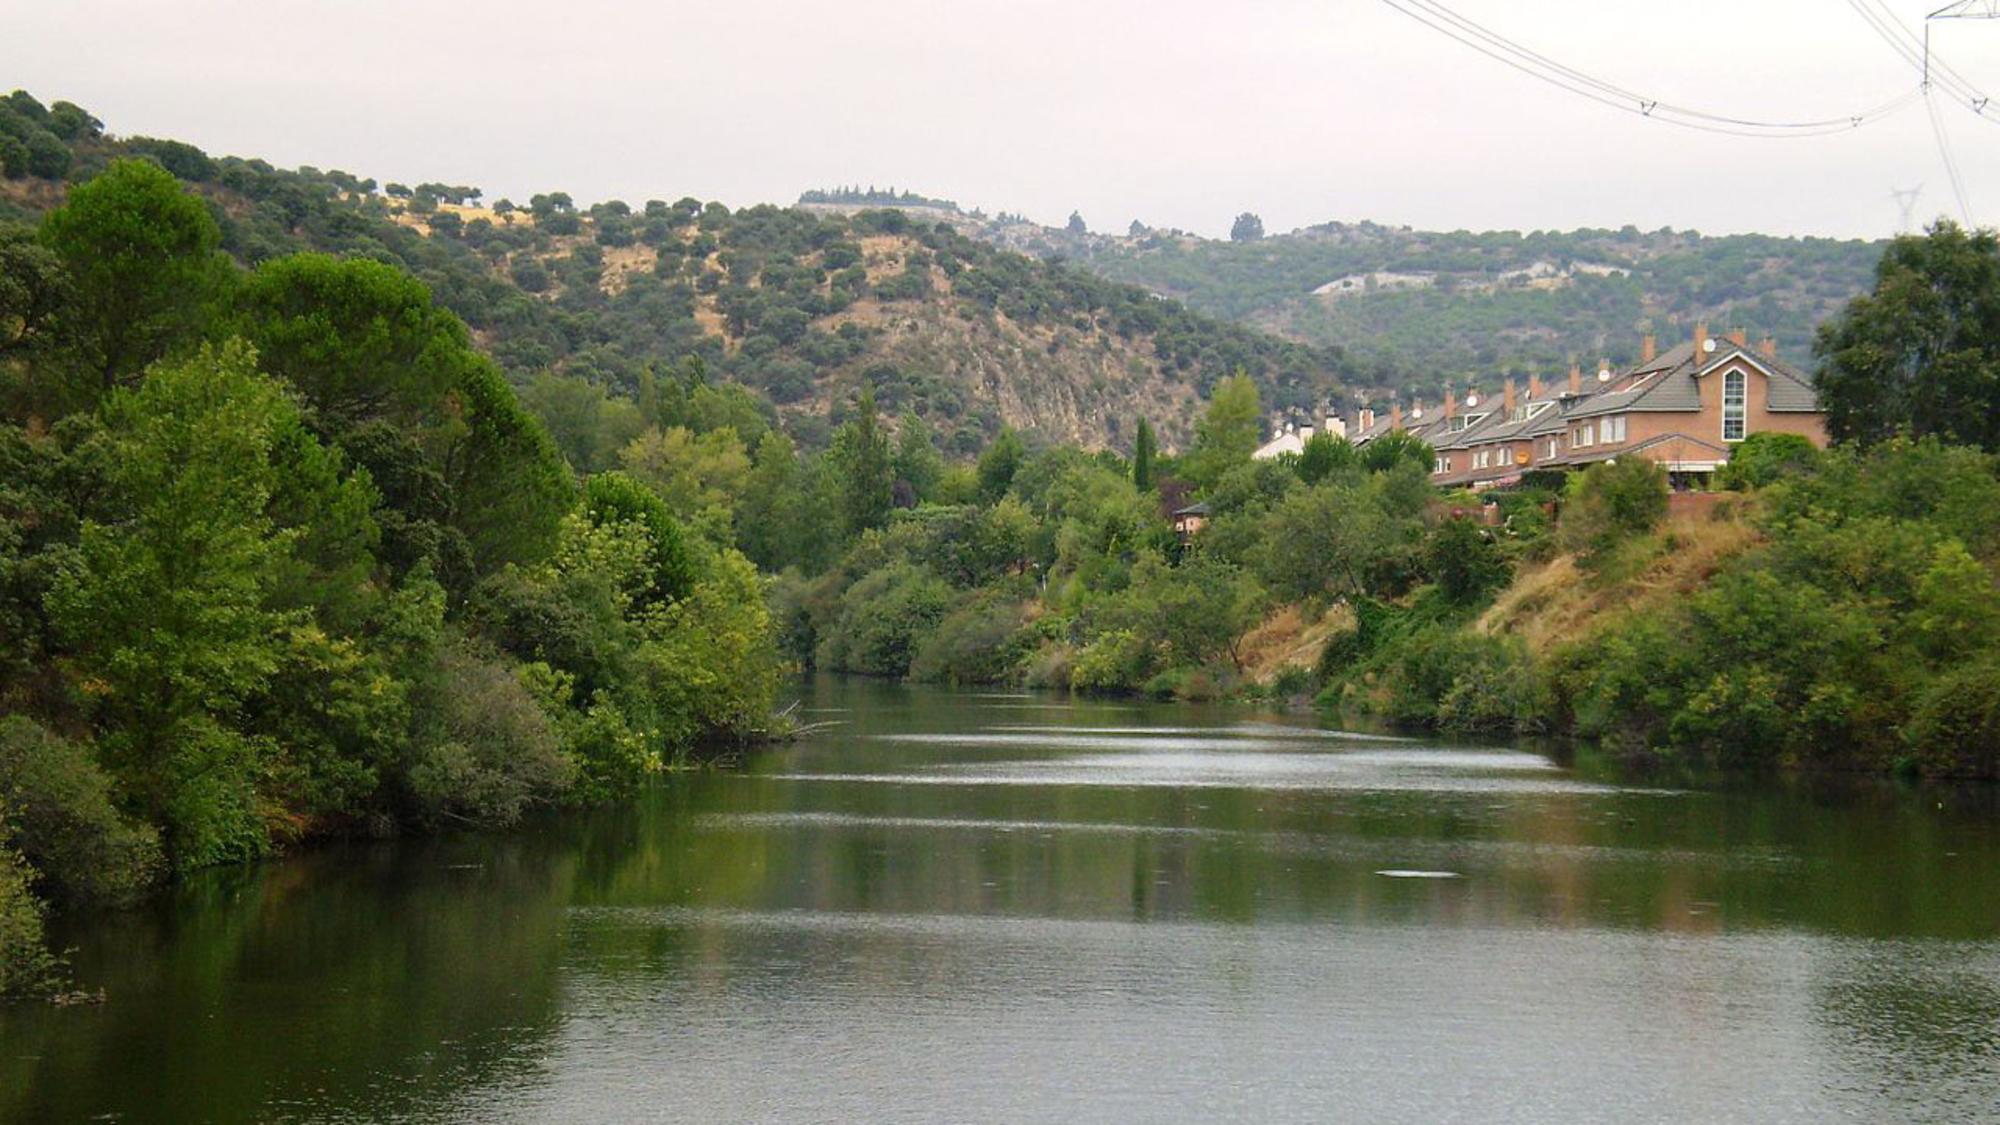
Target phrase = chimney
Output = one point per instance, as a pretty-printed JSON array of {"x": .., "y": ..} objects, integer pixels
[
  {"x": 1575, "y": 379},
  {"x": 1649, "y": 348},
  {"x": 1739, "y": 337},
  {"x": 1534, "y": 388},
  {"x": 1366, "y": 420},
  {"x": 1768, "y": 348},
  {"x": 1507, "y": 396},
  {"x": 1700, "y": 338},
  {"x": 1396, "y": 415},
  {"x": 1305, "y": 433},
  {"x": 1450, "y": 401},
  {"x": 1335, "y": 426}
]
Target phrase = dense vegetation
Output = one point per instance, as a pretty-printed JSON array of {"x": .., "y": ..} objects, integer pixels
[
  {"x": 282, "y": 554},
  {"x": 802, "y": 306},
  {"x": 1425, "y": 306}
]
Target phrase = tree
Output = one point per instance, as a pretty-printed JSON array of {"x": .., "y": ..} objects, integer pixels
[
  {"x": 142, "y": 255},
  {"x": 34, "y": 290},
  {"x": 1246, "y": 228},
  {"x": 1324, "y": 455},
  {"x": 1227, "y": 433},
  {"x": 357, "y": 338},
  {"x": 165, "y": 609},
  {"x": 1920, "y": 353},
  {"x": 999, "y": 463},
  {"x": 1465, "y": 561},
  {"x": 1397, "y": 447},
  {"x": 1076, "y": 223},
  {"x": 918, "y": 463},
  {"x": 860, "y": 457},
  {"x": 1144, "y": 447}
]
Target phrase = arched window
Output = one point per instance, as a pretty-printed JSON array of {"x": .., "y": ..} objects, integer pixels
[{"x": 1732, "y": 405}]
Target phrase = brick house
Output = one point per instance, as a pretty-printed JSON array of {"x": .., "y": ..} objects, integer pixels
[{"x": 1685, "y": 408}]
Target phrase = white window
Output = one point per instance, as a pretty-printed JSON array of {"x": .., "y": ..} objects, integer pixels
[
  {"x": 1614, "y": 429},
  {"x": 1732, "y": 405},
  {"x": 1585, "y": 435},
  {"x": 1552, "y": 448}
]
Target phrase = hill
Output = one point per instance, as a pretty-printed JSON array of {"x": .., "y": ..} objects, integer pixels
[
  {"x": 802, "y": 305},
  {"x": 1410, "y": 306}
]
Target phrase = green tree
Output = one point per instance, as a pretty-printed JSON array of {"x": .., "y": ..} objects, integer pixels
[
  {"x": 860, "y": 456},
  {"x": 142, "y": 254},
  {"x": 918, "y": 463},
  {"x": 1324, "y": 455},
  {"x": 999, "y": 463},
  {"x": 1227, "y": 433},
  {"x": 357, "y": 338},
  {"x": 1144, "y": 448},
  {"x": 165, "y": 610},
  {"x": 1246, "y": 228},
  {"x": 1920, "y": 353},
  {"x": 1465, "y": 561}
]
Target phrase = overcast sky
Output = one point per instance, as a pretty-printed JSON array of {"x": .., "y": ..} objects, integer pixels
[{"x": 1175, "y": 112}]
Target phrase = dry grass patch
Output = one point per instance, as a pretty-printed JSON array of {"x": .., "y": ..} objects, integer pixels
[
  {"x": 1556, "y": 602},
  {"x": 1290, "y": 639}
]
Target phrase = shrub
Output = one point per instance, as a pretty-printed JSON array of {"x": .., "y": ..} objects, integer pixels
[
  {"x": 883, "y": 619},
  {"x": 979, "y": 643},
  {"x": 1765, "y": 457},
  {"x": 1116, "y": 661},
  {"x": 1954, "y": 729},
  {"x": 490, "y": 752},
  {"x": 58, "y": 809},
  {"x": 26, "y": 965},
  {"x": 1611, "y": 502},
  {"x": 1465, "y": 562}
]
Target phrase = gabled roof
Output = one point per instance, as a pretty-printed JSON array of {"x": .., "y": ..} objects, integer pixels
[
  {"x": 1790, "y": 391},
  {"x": 1672, "y": 382}
]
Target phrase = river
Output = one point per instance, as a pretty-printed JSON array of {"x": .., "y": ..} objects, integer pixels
[{"x": 990, "y": 907}]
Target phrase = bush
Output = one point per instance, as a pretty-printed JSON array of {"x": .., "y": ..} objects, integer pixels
[
  {"x": 883, "y": 619},
  {"x": 1117, "y": 661},
  {"x": 981, "y": 642},
  {"x": 59, "y": 812},
  {"x": 490, "y": 752},
  {"x": 1954, "y": 729},
  {"x": 1465, "y": 562},
  {"x": 1611, "y": 502},
  {"x": 26, "y": 965},
  {"x": 1764, "y": 457}
]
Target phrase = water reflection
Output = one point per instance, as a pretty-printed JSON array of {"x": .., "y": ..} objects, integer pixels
[{"x": 940, "y": 911}]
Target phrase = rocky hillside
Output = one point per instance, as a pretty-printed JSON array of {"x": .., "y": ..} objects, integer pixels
[
  {"x": 803, "y": 305},
  {"x": 1418, "y": 306}
]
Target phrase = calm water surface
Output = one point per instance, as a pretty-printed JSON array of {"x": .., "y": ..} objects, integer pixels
[{"x": 965, "y": 907}]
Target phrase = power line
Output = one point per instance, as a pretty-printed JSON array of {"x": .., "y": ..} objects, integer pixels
[
  {"x": 1916, "y": 51},
  {"x": 1950, "y": 163},
  {"x": 1441, "y": 19}
]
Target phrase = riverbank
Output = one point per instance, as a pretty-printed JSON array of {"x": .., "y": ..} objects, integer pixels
[{"x": 1840, "y": 614}]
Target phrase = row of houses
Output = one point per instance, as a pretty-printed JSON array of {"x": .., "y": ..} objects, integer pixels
[{"x": 1685, "y": 408}]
